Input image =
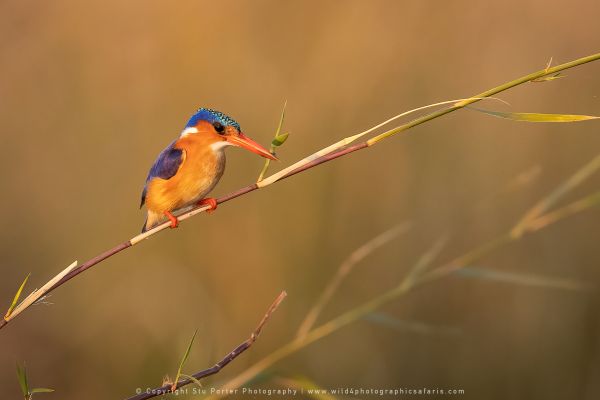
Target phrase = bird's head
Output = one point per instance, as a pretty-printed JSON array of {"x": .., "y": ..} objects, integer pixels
[{"x": 220, "y": 130}]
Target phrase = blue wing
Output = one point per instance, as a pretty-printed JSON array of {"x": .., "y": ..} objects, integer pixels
[{"x": 165, "y": 166}]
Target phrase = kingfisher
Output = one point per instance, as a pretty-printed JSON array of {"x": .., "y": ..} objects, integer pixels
[{"x": 190, "y": 167}]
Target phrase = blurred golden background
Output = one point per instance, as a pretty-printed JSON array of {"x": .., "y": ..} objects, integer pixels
[{"x": 90, "y": 92}]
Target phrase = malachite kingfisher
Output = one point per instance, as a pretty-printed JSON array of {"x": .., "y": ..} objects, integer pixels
[{"x": 190, "y": 167}]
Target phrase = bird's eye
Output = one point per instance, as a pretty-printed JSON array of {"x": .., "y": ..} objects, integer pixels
[{"x": 219, "y": 127}]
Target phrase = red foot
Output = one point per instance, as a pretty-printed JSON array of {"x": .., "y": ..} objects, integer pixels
[
  {"x": 209, "y": 201},
  {"x": 173, "y": 219}
]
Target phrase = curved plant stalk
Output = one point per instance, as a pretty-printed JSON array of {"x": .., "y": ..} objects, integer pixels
[
  {"x": 345, "y": 268},
  {"x": 278, "y": 140}
]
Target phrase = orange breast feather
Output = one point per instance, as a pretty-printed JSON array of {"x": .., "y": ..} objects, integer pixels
[{"x": 199, "y": 172}]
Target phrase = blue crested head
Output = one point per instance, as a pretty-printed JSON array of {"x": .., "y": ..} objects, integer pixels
[{"x": 212, "y": 116}]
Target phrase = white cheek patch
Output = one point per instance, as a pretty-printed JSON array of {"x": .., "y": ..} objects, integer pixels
[
  {"x": 188, "y": 131},
  {"x": 219, "y": 145}
]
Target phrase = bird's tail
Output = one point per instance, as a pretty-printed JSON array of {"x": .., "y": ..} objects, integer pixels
[{"x": 152, "y": 219}]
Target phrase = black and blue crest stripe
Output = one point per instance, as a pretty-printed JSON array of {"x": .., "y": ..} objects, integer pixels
[{"x": 212, "y": 116}]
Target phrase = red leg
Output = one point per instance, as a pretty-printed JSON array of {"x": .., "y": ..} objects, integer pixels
[
  {"x": 209, "y": 201},
  {"x": 172, "y": 218}
]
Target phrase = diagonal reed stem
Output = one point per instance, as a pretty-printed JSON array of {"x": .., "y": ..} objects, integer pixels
[
  {"x": 309, "y": 162},
  {"x": 487, "y": 93}
]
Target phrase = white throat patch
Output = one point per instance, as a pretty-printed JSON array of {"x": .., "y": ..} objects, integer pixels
[{"x": 218, "y": 146}]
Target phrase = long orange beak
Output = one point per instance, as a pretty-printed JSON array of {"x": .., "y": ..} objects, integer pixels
[{"x": 244, "y": 141}]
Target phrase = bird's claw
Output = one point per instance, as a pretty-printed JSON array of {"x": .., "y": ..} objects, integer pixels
[
  {"x": 173, "y": 219},
  {"x": 209, "y": 201}
]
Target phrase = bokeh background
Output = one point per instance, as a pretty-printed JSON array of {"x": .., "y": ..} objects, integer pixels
[{"x": 90, "y": 92}]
